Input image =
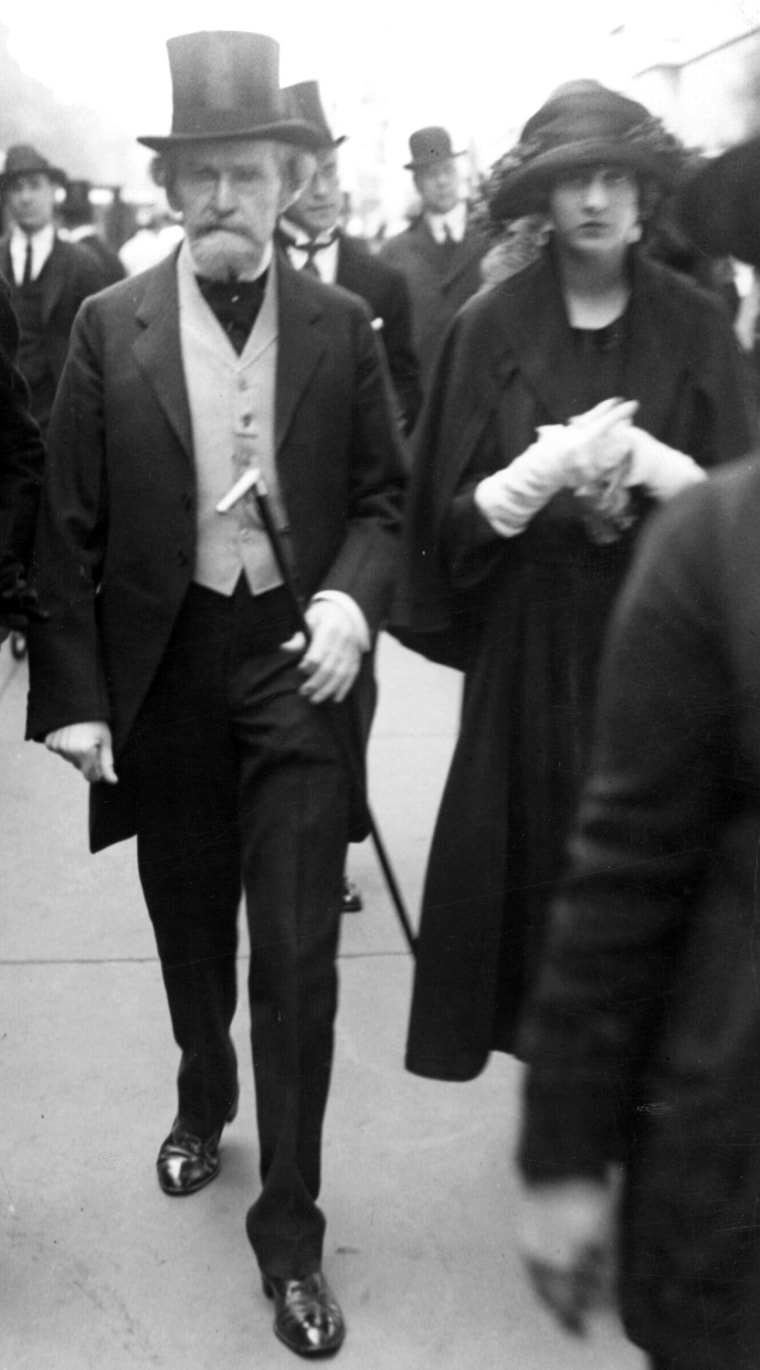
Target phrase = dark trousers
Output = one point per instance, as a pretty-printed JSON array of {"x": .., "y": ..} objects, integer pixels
[{"x": 242, "y": 788}]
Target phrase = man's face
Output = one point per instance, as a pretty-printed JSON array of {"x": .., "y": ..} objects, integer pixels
[
  {"x": 317, "y": 208},
  {"x": 438, "y": 186},
  {"x": 230, "y": 195},
  {"x": 31, "y": 200}
]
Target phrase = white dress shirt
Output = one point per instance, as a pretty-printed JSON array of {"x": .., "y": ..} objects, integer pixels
[
  {"x": 451, "y": 225},
  {"x": 42, "y": 245},
  {"x": 326, "y": 259}
]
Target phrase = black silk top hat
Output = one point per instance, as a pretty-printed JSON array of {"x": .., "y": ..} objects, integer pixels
[
  {"x": 23, "y": 160},
  {"x": 581, "y": 124},
  {"x": 719, "y": 205},
  {"x": 303, "y": 101},
  {"x": 226, "y": 85},
  {"x": 429, "y": 147}
]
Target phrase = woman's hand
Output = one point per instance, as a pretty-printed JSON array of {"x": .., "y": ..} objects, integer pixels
[{"x": 567, "y": 1243}]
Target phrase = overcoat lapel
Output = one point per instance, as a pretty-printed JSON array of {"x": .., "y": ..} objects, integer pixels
[
  {"x": 157, "y": 348},
  {"x": 302, "y": 343}
]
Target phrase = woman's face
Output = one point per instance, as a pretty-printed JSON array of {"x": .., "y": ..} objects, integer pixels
[{"x": 595, "y": 210}]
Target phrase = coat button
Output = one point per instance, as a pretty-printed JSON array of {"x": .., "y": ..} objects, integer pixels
[
  {"x": 183, "y": 559},
  {"x": 187, "y": 502}
]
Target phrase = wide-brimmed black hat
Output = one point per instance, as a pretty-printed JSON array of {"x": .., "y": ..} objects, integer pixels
[
  {"x": 582, "y": 124},
  {"x": 303, "y": 101},
  {"x": 24, "y": 160},
  {"x": 226, "y": 85},
  {"x": 719, "y": 205},
  {"x": 428, "y": 147}
]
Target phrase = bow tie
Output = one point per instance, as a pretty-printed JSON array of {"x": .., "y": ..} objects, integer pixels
[{"x": 236, "y": 305}]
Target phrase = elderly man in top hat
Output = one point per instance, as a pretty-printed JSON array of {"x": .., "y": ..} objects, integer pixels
[
  {"x": 440, "y": 252},
  {"x": 311, "y": 235},
  {"x": 172, "y": 673},
  {"x": 48, "y": 278}
]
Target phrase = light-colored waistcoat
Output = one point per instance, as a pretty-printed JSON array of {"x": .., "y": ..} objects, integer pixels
[{"x": 232, "y": 411}]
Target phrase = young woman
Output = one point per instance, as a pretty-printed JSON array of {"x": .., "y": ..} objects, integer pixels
[{"x": 569, "y": 401}]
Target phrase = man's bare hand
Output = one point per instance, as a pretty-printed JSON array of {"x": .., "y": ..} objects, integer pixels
[
  {"x": 332, "y": 659},
  {"x": 567, "y": 1242},
  {"x": 87, "y": 746}
]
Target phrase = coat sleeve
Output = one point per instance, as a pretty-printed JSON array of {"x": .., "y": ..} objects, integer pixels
[
  {"x": 663, "y": 779},
  {"x": 365, "y": 566},
  {"x": 66, "y": 676},
  {"x": 21, "y": 460}
]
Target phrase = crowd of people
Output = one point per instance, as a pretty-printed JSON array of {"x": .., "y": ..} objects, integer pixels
[{"x": 222, "y": 477}]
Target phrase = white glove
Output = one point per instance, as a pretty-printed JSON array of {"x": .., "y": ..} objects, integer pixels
[
  {"x": 565, "y": 455},
  {"x": 661, "y": 469}
]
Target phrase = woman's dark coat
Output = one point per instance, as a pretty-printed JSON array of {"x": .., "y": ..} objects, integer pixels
[
  {"x": 525, "y": 617},
  {"x": 644, "y": 1040}
]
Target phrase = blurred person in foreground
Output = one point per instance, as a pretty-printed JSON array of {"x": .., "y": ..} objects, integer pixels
[
  {"x": 441, "y": 250},
  {"x": 643, "y": 1040},
  {"x": 21, "y": 460},
  {"x": 570, "y": 400},
  {"x": 172, "y": 673}
]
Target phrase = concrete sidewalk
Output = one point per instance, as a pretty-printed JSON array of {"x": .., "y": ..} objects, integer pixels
[{"x": 99, "y": 1269}]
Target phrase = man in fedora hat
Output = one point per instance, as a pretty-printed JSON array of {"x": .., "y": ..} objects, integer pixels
[
  {"x": 311, "y": 235},
  {"x": 173, "y": 676},
  {"x": 48, "y": 278},
  {"x": 440, "y": 252}
]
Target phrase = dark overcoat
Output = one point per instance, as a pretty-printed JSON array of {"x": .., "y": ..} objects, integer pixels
[
  {"x": 644, "y": 1040},
  {"x": 21, "y": 461},
  {"x": 437, "y": 294},
  {"x": 387, "y": 294},
  {"x": 526, "y": 616},
  {"x": 121, "y": 442},
  {"x": 71, "y": 273}
]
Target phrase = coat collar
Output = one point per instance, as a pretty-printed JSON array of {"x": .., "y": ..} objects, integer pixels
[
  {"x": 535, "y": 336},
  {"x": 159, "y": 355}
]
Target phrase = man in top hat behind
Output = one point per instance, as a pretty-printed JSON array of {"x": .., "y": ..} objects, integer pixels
[
  {"x": 310, "y": 233},
  {"x": 171, "y": 673},
  {"x": 48, "y": 278},
  {"x": 440, "y": 253}
]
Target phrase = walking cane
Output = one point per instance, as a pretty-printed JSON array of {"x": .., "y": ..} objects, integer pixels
[{"x": 253, "y": 480}]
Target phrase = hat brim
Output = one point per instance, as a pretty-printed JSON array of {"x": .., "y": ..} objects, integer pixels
[
  {"x": 719, "y": 206},
  {"x": 53, "y": 173},
  {"x": 526, "y": 188},
  {"x": 292, "y": 131},
  {"x": 420, "y": 162}
]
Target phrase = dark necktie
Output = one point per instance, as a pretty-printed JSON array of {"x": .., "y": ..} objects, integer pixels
[
  {"x": 448, "y": 246},
  {"x": 27, "y": 276},
  {"x": 310, "y": 248},
  {"x": 236, "y": 305}
]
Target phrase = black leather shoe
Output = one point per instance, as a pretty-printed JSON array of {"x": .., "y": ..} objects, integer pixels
[
  {"x": 307, "y": 1314},
  {"x": 186, "y": 1163},
  {"x": 351, "y": 900}
]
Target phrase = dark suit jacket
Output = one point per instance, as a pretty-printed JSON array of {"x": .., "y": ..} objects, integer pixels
[
  {"x": 436, "y": 295},
  {"x": 386, "y": 292},
  {"x": 71, "y": 274},
  {"x": 21, "y": 460},
  {"x": 644, "y": 1039},
  {"x": 118, "y": 527}
]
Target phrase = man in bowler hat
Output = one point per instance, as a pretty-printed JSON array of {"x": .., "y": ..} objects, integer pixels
[
  {"x": 48, "y": 277},
  {"x": 440, "y": 252},
  {"x": 172, "y": 673}
]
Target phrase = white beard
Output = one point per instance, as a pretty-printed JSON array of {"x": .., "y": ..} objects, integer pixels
[{"x": 225, "y": 256}]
